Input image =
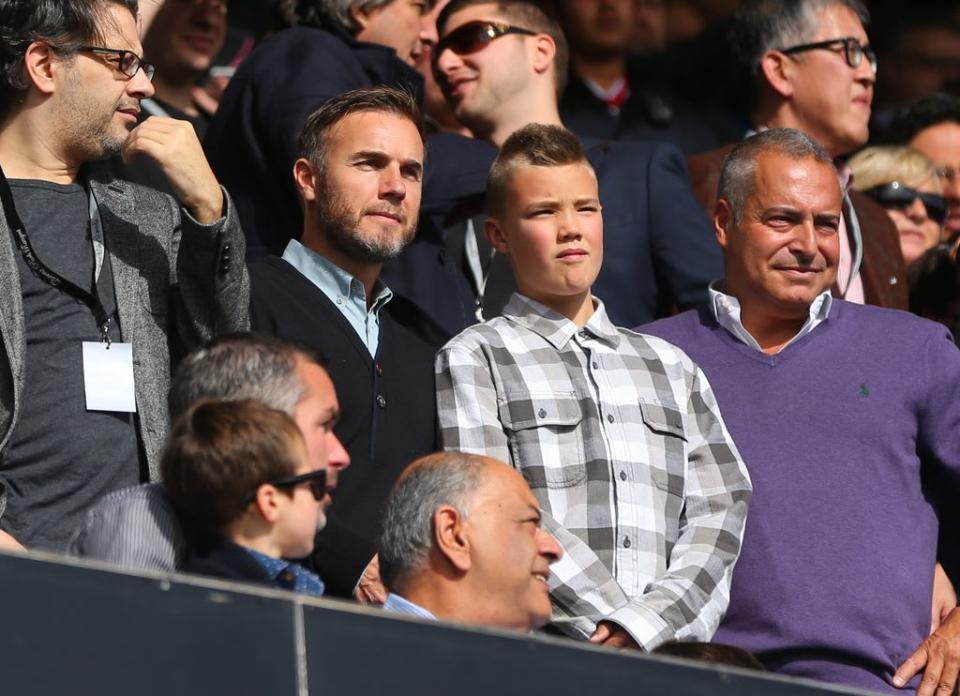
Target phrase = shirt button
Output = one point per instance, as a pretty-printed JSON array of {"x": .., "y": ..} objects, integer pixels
[
  {"x": 542, "y": 413},
  {"x": 340, "y": 300},
  {"x": 610, "y": 417},
  {"x": 381, "y": 402},
  {"x": 626, "y": 542},
  {"x": 623, "y": 475},
  {"x": 595, "y": 365}
]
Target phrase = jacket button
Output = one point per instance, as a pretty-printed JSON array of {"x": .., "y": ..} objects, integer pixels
[
  {"x": 381, "y": 402},
  {"x": 378, "y": 368}
]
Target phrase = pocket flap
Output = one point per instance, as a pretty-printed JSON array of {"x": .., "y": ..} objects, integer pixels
[
  {"x": 537, "y": 410},
  {"x": 662, "y": 419}
]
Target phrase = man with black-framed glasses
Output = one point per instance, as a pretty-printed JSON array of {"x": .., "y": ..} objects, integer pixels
[
  {"x": 813, "y": 69},
  {"x": 103, "y": 281}
]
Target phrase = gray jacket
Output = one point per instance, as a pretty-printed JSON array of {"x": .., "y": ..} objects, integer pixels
[{"x": 178, "y": 284}]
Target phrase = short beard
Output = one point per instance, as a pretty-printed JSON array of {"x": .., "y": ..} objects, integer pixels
[{"x": 340, "y": 225}]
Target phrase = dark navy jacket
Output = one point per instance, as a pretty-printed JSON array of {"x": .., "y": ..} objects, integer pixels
[{"x": 251, "y": 143}]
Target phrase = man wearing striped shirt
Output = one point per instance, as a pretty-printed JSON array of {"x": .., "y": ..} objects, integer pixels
[{"x": 617, "y": 434}]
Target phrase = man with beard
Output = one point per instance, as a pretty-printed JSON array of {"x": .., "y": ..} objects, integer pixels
[
  {"x": 359, "y": 176},
  {"x": 102, "y": 281}
]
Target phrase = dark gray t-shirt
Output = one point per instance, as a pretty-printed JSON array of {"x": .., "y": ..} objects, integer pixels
[{"x": 61, "y": 457}]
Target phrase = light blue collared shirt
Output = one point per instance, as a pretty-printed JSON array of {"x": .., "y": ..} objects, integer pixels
[
  {"x": 726, "y": 310},
  {"x": 346, "y": 292},
  {"x": 399, "y": 605}
]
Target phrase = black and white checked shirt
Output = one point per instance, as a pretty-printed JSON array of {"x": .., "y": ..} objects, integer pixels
[{"x": 620, "y": 438}]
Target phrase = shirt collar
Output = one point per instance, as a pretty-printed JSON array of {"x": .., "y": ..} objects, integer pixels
[
  {"x": 399, "y": 605},
  {"x": 726, "y": 310},
  {"x": 330, "y": 278},
  {"x": 555, "y": 328},
  {"x": 287, "y": 574}
]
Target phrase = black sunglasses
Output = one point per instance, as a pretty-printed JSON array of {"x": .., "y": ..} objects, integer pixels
[
  {"x": 896, "y": 195},
  {"x": 853, "y": 50},
  {"x": 127, "y": 62},
  {"x": 317, "y": 481},
  {"x": 473, "y": 36}
]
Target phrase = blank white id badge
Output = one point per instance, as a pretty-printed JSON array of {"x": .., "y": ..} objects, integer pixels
[{"x": 108, "y": 377}]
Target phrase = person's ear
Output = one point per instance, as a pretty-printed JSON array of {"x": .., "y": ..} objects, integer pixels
[
  {"x": 544, "y": 50},
  {"x": 266, "y": 502},
  {"x": 40, "y": 63},
  {"x": 722, "y": 222},
  {"x": 305, "y": 179},
  {"x": 778, "y": 70},
  {"x": 360, "y": 14},
  {"x": 451, "y": 538},
  {"x": 494, "y": 232}
]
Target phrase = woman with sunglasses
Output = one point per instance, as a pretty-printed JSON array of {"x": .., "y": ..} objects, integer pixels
[{"x": 905, "y": 182}]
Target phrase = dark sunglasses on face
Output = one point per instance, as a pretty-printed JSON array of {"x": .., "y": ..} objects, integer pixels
[
  {"x": 473, "y": 36},
  {"x": 896, "y": 195},
  {"x": 316, "y": 480}
]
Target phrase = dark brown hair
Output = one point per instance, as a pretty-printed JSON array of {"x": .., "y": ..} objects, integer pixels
[
  {"x": 534, "y": 145},
  {"x": 314, "y": 138},
  {"x": 222, "y": 451}
]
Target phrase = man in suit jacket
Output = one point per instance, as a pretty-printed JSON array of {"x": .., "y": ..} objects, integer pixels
[
  {"x": 360, "y": 177},
  {"x": 818, "y": 77},
  {"x": 501, "y": 67},
  {"x": 329, "y": 47},
  {"x": 101, "y": 280}
]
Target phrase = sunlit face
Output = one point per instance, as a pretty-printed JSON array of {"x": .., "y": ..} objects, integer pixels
[
  {"x": 785, "y": 249},
  {"x": 551, "y": 229},
  {"x": 510, "y": 553},
  {"x": 941, "y": 143},
  {"x": 316, "y": 414},
  {"x": 185, "y": 36},
  {"x": 368, "y": 198},
  {"x": 96, "y": 106},
  {"x": 830, "y": 100},
  {"x": 406, "y": 26},
  {"x": 917, "y": 231},
  {"x": 486, "y": 86}
]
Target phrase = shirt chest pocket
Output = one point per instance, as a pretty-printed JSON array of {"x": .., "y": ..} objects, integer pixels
[
  {"x": 546, "y": 440},
  {"x": 667, "y": 451}
]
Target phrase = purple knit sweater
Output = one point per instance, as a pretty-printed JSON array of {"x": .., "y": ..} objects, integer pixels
[{"x": 835, "y": 576}]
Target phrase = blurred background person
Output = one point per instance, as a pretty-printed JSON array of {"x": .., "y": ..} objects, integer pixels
[
  {"x": 932, "y": 126},
  {"x": 905, "y": 182},
  {"x": 606, "y": 96}
]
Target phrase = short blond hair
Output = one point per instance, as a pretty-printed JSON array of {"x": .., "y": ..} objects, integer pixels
[{"x": 884, "y": 164}]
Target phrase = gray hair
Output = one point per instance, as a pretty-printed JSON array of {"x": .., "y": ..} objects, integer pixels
[
  {"x": 238, "y": 367},
  {"x": 760, "y": 26},
  {"x": 739, "y": 168},
  {"x": 445, "y": 478}
]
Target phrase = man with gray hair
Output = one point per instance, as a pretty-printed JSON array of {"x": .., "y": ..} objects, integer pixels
[
  {"x": 326, "y": 48},
  {"x": 137, "y": 527},
  {"x": 833, "y": 406},
  {"x": 812, "y": 68},
  {"x": 462, "y": 542}
]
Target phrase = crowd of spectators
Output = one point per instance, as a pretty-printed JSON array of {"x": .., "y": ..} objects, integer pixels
[{"x": 630, "y": 321}]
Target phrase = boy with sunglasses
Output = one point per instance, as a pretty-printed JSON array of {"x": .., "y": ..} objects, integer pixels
[{"x": 238, "y": 475}]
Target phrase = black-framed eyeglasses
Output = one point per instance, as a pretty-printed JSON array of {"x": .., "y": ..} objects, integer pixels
[
  {"x": 127, "y": 62},
  {"x": 473, "y": 36},
  {"x": 853, "y": 50},
  {"x": 316, "y": 480},
  {"x": 898, "y": 196}
]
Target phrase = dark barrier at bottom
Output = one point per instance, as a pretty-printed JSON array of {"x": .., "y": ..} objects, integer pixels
[{"x": 75, "y": 628}]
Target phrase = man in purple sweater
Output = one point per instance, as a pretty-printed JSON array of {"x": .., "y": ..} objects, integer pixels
[{"x": 834, "y": 406}]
